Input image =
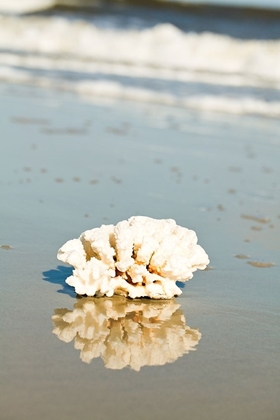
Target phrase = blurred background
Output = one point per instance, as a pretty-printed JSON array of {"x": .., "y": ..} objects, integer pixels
[{"x": 220, "y": 55}]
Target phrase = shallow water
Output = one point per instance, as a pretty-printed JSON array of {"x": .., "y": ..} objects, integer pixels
[
  {"x": 207, "y": 58},
  {"x": 68, "y": 165}
]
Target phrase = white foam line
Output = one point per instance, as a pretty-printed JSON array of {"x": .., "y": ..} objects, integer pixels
[
  {"x": 62, "y": 64},
  {"x": 245, "y": 105},
  {"x": 161, "y": 47},
  {"x": 25, "y": 6},
  {"x": 113, "y": 90}
]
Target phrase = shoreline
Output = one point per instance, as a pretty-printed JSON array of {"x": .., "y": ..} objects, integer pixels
[{"x": 68, "y": 165}]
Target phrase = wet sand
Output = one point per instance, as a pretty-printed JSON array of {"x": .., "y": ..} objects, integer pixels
[{"x": 68, "y": 165}]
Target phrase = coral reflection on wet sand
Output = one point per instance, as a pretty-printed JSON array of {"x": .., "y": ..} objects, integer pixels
[{"x": 126, "y": 333}]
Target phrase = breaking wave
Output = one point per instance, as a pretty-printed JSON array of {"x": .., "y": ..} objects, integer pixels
[{"x": 160, "y": 64}]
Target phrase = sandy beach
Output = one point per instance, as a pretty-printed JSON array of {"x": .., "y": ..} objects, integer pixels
[{"x": 67, "y": 165}]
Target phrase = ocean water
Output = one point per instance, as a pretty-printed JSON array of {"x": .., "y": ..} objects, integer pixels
[{"x": 210, "y": 59}]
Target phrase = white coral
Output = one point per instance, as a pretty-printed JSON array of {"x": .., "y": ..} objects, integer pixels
[
  {"x": 126, "y": 333},
  {"x": 139, "y": 257}
]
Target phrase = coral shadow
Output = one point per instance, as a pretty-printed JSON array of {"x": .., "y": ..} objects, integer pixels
[{"x": 58, "y": 276}]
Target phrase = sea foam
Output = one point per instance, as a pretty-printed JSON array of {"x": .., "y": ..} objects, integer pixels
[{"x": 78, "y": 55}]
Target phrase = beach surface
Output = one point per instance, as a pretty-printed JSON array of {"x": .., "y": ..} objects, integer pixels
[{"x": 69, "y": 164}]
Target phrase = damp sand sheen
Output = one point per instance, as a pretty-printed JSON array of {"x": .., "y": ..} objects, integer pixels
[{"x": 211, "y": 353}]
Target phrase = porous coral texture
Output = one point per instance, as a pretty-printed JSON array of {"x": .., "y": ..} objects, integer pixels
[
  {"x": 139, "y": 257},
  {"x": 126, "y": 333}
]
